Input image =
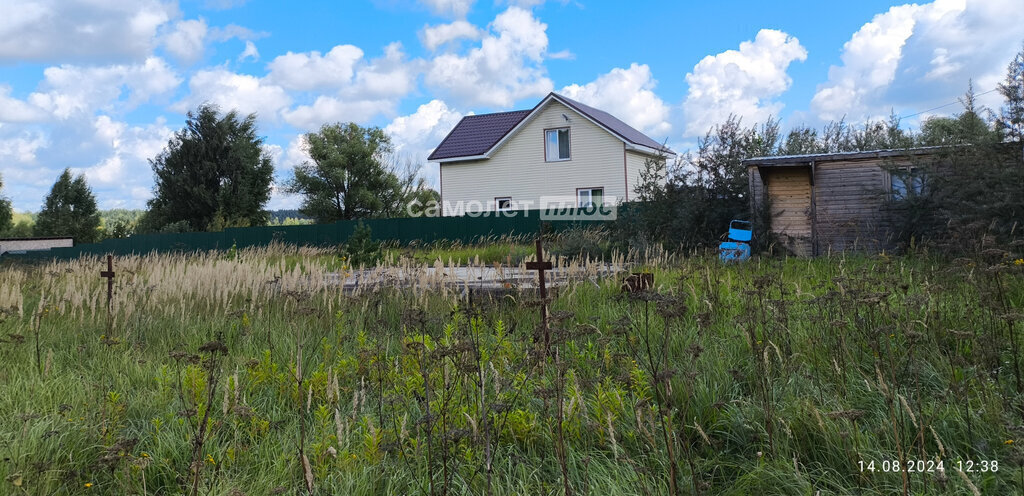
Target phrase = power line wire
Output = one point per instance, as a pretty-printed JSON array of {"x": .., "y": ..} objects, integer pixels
[{"x": 946, "y": 105}]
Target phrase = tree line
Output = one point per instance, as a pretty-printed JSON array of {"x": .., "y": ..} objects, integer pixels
[
  {"x": 977, "y": 199},
  {"x": 215, "y": 173}
]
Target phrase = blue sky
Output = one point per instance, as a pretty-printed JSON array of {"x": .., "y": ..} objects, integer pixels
[{"x": 100, "y": 85}]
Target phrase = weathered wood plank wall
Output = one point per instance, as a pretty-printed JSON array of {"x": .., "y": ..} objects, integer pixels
[
  {"x": 840, "y": 208},
  {"x": 789, "y": 197},
  {"x": 850, "y": 199}
]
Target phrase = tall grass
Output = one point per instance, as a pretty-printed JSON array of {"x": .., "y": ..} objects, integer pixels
[{"x": 778, "y": 376}]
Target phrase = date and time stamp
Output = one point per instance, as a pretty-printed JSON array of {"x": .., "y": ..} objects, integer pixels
[{"x": 928, "y": 466}]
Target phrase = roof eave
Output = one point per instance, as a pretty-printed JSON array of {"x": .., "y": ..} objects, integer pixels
[
  {"x": 459, "y": 159},
  {"x": 794, "y": 160},
  {"x": 648, "y": 150},
  {"x": 533, "y": 113}
]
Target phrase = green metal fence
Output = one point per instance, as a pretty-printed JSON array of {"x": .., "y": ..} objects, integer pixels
[{"x": 467, "y": 228}]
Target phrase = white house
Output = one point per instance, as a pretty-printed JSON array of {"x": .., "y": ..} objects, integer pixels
[{"x": 561, "y": 152}]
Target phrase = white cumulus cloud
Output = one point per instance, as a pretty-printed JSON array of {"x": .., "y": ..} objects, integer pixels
[
  {"x": 742, "y": 82},
  {"x": 328, "y": 110},
  {"x": 123, "y": 167},
  {"x": 232, "y": 91},
  {"x": 69, "y": 90},
  {"x": 111, "y": 153},
  {"x": 453, "y": 8},
  {"x": 417, "y": 134},
  {"x": 434, "y": 37},
  {"x": 250, "y": 52},
  {"x": 912, "y": 57},
  {"x": 389, "y": 76},
  {"x": 361, "y": 89},
  {"x": 506, "y": 66},
  {"x": 20, "y": 149},
  {"x": 629, "y": 95},
  {"x": 186, "y": 42},
  {"x": 13, "y": 110},
  {"x": 308, "y": 71},
  {"x": 77, "y": 30}
]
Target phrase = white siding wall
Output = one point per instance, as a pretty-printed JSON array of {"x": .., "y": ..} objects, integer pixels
[
  {"x": 518, "y": 169},
  {"x": 635, "y": 163}
]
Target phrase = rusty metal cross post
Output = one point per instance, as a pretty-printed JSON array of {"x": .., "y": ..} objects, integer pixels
[
  {"x": 109, "y": 274},
  {"x": 541, "y": 266}
]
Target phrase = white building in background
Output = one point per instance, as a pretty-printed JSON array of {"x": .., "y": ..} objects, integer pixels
[
  {"x": 560, "y": 152},
  {"x": 21, "y": 245}
]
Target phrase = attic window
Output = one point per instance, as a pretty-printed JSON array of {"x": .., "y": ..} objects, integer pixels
[
  {"x": 503, "y": 204},
  {"x": 556, "y": 144}
]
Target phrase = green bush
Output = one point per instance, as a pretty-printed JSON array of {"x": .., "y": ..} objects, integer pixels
[
  {"x": 361, "y": 250},
  {"x": 581, "y": 243}
]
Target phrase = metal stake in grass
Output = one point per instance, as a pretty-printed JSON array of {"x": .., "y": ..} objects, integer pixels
[
  {"x": 109, "y": 274},
  {"x": 540, "y": 266}
]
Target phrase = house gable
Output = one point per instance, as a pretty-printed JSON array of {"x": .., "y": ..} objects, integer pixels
[
  {"x": 473, "y": 138},
  {"x": 518, "y": 169}
]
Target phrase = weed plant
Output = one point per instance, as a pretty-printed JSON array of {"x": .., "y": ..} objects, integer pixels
[{"x": 253, "y": 374}]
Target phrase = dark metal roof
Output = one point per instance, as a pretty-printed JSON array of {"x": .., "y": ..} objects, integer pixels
[
  {"x": 784, "y": 160},
  {"x": 625, "y": 131},
  {"x": 475, "y": 134}
]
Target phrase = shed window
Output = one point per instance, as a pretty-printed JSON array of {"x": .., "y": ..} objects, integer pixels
[
  {"x": 589, "y": 197},
  {"x": 906, "y": 182},
  {"x": 503, "y": 203},
  {"x": 556, "y": 144}
]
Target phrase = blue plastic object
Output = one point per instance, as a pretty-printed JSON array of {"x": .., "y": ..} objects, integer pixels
[
  {"x": 738, "y": 249},
  {"x": 740, "y": 230},
  {"x": 731, "y": 251}
]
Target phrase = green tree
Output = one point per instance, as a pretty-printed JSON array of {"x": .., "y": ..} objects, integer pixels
[
  {"x": 214, "y": 173},
  {"x": 1011, "y": 116},
  {"x": 975, "y": 198},
  {"x": 119, "y": 222},
  {"x": 69, "y": 210},
  {"x": 417, "y": 197},
  {"x": 709, "y": 187},
  {"x": 968, "y": 127},
  {"x": 6, "y": 214},
  {"x": 840, "y": 137},
  {"x": 349, "y": 176},
  {"x": 704, "y": 189},
  {"x": 426, "y": 198},
  {"x": 800, "y": 140}
]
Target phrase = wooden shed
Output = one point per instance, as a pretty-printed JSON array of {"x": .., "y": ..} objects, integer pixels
[{"x": 824, "y": 203}]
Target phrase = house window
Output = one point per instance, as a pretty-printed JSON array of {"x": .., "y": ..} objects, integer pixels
[
  {"x": 503, "y": 203},
  {"x": 556, "y": 144},
  {"x": 906, "y": 182},
  {"x": 589, "y": 197}
]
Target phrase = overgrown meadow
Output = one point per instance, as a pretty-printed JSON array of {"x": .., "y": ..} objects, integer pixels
[{"x": 249, "y": 373}]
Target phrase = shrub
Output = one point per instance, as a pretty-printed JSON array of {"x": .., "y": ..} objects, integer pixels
[
  {"x": 361, "y": 250},
  {"x": 581, "y": 243}
]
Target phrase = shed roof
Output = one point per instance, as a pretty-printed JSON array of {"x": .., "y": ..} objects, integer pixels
[{"x": 790, "y": 160}]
